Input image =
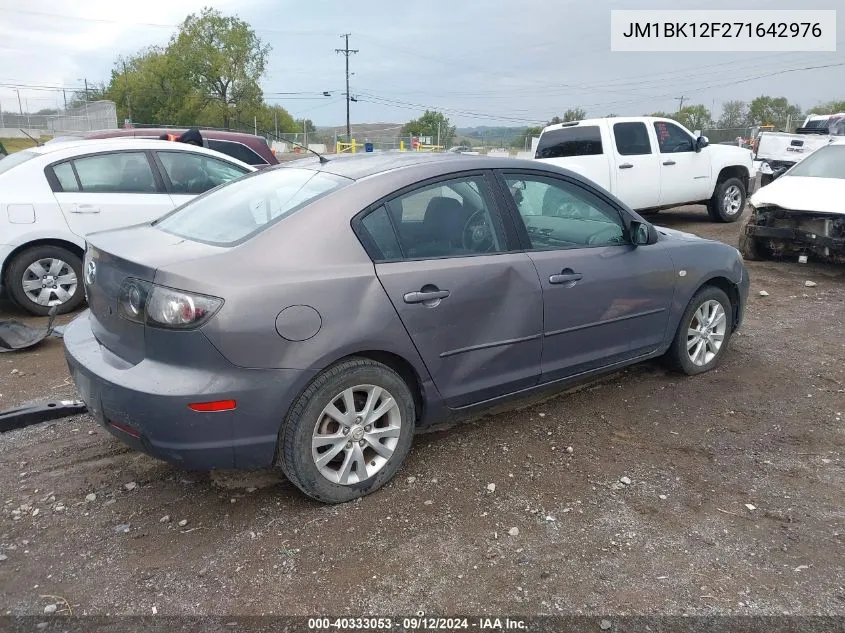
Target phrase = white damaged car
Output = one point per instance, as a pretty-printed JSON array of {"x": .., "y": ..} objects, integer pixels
[{"x": 802, "y": 212}]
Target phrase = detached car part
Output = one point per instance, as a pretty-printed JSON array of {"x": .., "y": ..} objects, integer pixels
[{"x": 15, "y": 335}]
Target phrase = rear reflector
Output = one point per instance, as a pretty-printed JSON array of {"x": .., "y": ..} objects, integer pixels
[
  {"x": 126, "y": 429},
  {"x": 217, "y": 405}
]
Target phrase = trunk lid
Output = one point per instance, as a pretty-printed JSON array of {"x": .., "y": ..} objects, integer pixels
[{"x": 111, "y": 258}]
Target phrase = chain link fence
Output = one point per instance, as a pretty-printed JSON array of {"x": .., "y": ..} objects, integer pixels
[{"x": 90, "y": 116}]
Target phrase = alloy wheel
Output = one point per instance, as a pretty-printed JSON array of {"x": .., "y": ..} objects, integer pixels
[
  {"x": 733, "y": 200},
  {"x": 356, "y": 434},
  {"x": 706, "y": 332}
]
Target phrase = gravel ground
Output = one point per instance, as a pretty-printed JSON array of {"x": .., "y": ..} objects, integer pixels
[{"x": 731, "y": 501}]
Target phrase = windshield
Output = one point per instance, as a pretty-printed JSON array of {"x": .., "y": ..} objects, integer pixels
[
  {"x": 826, "y": 162},
  {"x": 242, "y": 208},
  {"x": 14, "y": 159}
]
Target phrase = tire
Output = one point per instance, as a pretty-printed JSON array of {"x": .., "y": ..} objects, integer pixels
[
  {"x": 298, "y": 454},
  {"x": 728, "y": 200},
  {"x": 61, "y": 265},
  {"x": 749, "y": 248},
  {"x": 678, "y": 357}
]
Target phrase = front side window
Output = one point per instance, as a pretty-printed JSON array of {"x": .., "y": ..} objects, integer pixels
[
  {"x": 558, "y": 214},
  {"x": 245, "y": 207},
  {"x": 671, "y": 138},
  {"x": 579, "y": 140},
  {"x": 120, "y": 172},
  {"x": 191, "y": 173},
  {"x": 453, "y": 218},
  {"x": 631, "y": 139}
]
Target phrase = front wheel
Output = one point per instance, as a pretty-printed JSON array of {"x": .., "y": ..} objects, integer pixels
[
  {"x": 728, "y": 201},
  {"x": 349, "y": 432},
  {"x": 42, "y": 277},
  {"x": 703, "y": 333}
]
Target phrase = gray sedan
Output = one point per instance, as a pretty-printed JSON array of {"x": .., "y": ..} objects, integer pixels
[{"x": 312, "y": 316}]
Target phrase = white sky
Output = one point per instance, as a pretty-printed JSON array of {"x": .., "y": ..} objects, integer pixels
[{"x": 493, "y": 62}]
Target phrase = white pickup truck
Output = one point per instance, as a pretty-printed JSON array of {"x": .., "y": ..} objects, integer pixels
[
  {"x": 651, "y": 163},
  {"x": 776, "y": 152}
]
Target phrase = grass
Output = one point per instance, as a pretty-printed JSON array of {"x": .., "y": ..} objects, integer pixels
[{"x": 17, "y": 144}]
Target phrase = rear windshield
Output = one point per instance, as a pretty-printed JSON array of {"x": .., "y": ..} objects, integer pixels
[
  {"x": 14, "y": 159},
  {"x": 242, "y": 208},
  {"x": 826, "y": 162},
  {"x": 581, "y": 140}
]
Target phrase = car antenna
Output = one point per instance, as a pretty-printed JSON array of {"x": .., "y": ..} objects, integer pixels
[
  {"x": 33, "y": 139},
  {"x": 323, "y": 159}
]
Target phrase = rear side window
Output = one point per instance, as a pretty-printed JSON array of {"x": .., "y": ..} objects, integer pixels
[
  {"x": 236, "y": 150},
  {"x": 195, "y": 173},
  {"x": 245, "y": 207},
  {"x": 381, "y": 232},
  {"x": 123, "y": 172},
  {"x": 581, "y": 140},
  {"x": 66, "y": 177},
  {"x": 631, "y": 139}
]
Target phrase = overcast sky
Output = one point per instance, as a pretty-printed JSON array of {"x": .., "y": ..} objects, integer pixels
[{"x": 484, "y": 62}]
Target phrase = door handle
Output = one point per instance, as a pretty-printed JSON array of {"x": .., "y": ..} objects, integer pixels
[
  {"x": 669, "y": 162},
  {"x": 421, "y": 296},
  {"x": 85, "y": 208},
  {"x": 566, "y": 276},
  {"x": 625, "y": 166}
]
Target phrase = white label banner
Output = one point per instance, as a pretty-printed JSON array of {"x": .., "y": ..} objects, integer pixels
[{"x": 723, "y": 30}]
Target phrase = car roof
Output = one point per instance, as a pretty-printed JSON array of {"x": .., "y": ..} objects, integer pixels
[
  {"x": 93, "y": 146},
  {"x": 358, "y": 166},
  {"x": 158, "y": 131}
]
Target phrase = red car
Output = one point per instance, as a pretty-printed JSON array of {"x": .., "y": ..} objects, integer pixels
[{"x": 249, "y": 148}]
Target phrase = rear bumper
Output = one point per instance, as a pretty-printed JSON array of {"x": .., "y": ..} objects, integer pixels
[{"x": 146, "y": 405}]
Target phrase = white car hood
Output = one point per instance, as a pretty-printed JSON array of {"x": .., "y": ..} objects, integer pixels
[{"x": 800, "y": 193}]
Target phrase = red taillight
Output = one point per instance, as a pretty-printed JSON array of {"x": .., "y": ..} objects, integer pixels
[
  {"x": 126, "y": 429},
  {"x": 217, "y": 405}
]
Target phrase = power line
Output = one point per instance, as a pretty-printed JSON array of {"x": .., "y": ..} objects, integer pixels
[{"x": 346, "y": 53}]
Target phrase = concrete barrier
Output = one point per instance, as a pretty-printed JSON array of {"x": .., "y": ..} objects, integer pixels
[{"x": 13, "y": 132}]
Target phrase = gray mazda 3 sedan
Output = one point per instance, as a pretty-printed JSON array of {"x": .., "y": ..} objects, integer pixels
[{"x": 312, "y": 316}]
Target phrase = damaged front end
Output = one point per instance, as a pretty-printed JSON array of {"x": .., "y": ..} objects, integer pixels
[{"x": 772, "y": 231}]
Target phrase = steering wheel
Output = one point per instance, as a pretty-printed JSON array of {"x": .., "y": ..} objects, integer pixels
[
  {"x": 569, "y": 210},
  {"x": 477, "y": 234},
  {"x": 609, "y": 235}
]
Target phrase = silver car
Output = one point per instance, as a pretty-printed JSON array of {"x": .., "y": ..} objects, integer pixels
[{"x": 312, "y": 316}]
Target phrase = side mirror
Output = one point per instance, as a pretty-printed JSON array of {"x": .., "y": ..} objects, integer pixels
[
  {"x": 701, "y": 142},
  {"x": 641, "y": 234}
]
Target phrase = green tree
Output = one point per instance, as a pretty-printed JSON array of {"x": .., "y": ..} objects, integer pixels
[
  {"x": 429, "y": 124},
  {"x": 574, "y": 114},
  {"x": 831, "y": 107},
  {"x": 772, "y": 110},
  {"x": 306, "y": 125},
  {"x": 523, "y": 141},
  {"x": 734, "y": 114},
  {"x": 693, "y": 117},
  {"x": 223, "y": 59}
]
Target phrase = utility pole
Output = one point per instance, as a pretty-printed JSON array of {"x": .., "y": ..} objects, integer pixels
[
  {"x": 346, "y": 52},
  {"x": 681, "y": 102},
  {"x": 64, "y": 94},
  {"x": 20, "y": 106},
  {"x": 86, "y": 89},
  {"x": 128, "y": 98}
]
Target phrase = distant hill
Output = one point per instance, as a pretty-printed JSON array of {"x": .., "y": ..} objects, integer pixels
[
  {"x": 493, "y": 132},
  {"x": 363, "y": 129}
]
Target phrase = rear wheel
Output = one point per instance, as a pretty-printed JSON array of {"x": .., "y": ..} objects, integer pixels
[
  {"x": 703, "y": 333},
  {"x": 728, "y": 201},
  {"x": 349, "y": 432},
  {"x": 42, "y": 277}
]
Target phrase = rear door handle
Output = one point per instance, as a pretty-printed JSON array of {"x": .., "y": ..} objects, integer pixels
[
  {"x": 422, "y": 297},
  {"x": 566, "y": 276},
  {"x": 669, "y": 162},
  {"x": 85, "y": 208},
  {"x": 625, "y": 166}
]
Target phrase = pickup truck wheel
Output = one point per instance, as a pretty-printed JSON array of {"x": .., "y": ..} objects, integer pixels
[
  {"x": 728, "y": 201},
  {"x": 43, "y": 277}
]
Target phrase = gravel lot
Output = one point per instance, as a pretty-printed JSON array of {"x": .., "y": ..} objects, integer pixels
[{"x": 734, "y": 502}]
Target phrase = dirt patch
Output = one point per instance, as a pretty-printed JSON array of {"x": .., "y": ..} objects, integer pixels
[{"x": 734, "y": 503}]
